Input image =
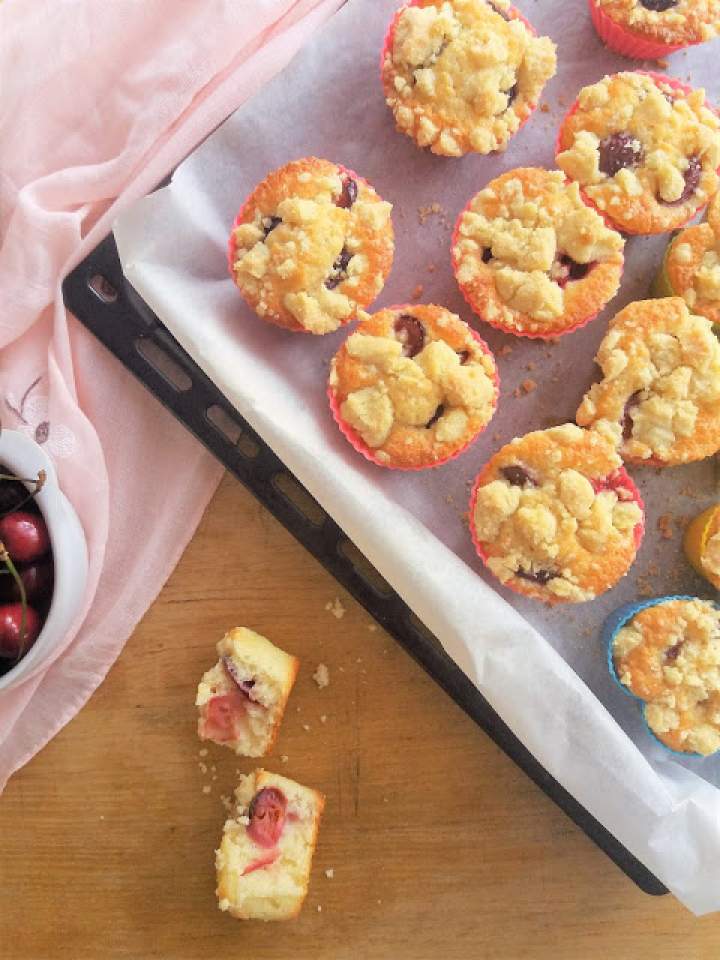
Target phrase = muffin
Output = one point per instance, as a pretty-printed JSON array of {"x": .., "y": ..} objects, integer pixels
[
  {"x": 531, "y": 258},
  {"x": 702, "y": 544},
  {"x": 312, "y": 244},
  {"x": 659, "y": 397},
  {"x": 650, "y": 29},
  {"x": 691, "y": 270},
  {"x": 263, "y": 863},
  {"x": 413, "y": 387},
  {"x": 463, "y": 76},
  {"x": 644, "y": 148},
  {"x": 666, "y": 652},
  {"x": 555, "y": 516},
  {"x": 241, "y": 700}
]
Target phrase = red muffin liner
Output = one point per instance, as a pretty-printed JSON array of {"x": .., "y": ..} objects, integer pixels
[
  {"x": 496, "y": 324},
  {"x": 658, "y": 78},
  {"x": 271, "y": 319},
  {"x": 512, "y": 12},
  {"x": 628, "y": 43},
  {"x": 620, "y": 478},
  {"x": 354, "y": 438}
]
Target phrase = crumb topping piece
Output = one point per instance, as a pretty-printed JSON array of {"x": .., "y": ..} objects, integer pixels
[
  {"x": 659, "y": 399},
  {"x": 669, "y": 656},
  {"x": 531, "y": 251},
  {"x": 462, "y": 75},
  {"x": 556, "y": 516},
  {"x": 315, "y": 245},
  {"x": 414, "y": 383},
  {"x": 669, "y": 21},
  {"x": 645, "y": 152}
]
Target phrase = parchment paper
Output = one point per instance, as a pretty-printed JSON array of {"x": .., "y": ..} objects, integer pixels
[{"x": 543, "y": 671}]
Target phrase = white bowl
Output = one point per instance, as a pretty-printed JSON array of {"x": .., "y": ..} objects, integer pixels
[{"x": 23, "y": 457}]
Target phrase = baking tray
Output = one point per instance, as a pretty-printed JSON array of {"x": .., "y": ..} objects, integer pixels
[{"x": 105, "y": 302}]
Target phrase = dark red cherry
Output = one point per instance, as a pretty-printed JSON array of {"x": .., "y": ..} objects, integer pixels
[
  {"x": 487, "y": 255},
  {"x": 37, "y": 579},
  {"x": 435, "y": 417},
  {"x": 13, "y": 641},
  {"x": 339, "y": 269},
  {"x": 673, "y": 652},
  {"x": 618, "y": 151},
  {"x": 348, "y": 194},
  {"x": 536, "y": 576},
  {"x": 659, "y": 6},
  {"x": 24, "y": 535},
  {"x": 627, "y": 421},
  {"x": 267, "y": 816},
  {"x": 518, "y": 476},
  {"x": 692, "y": 181},
  {"x": 411, "y": 334}
]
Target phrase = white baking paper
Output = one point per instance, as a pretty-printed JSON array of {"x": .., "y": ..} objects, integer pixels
[{"x": 543, "y": 671}]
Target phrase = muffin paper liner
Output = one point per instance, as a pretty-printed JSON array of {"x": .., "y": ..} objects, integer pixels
[
  {"x": 268, "y": 318},
  {"x": 661, "y": 286},
  {"x": 623, "y": 228},
  {"x": 354, "y": 438},
  {"x": 610, "y": 628},
  {"x": 625, "y": 42},
  {"x": 695, "y": 538},
  {"x": 620, "y": 474}
]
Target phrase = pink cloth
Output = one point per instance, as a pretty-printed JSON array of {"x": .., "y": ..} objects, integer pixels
[{"x": 99, "y": 101}]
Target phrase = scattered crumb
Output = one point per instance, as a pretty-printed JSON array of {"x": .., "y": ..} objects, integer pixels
[
  {"x": 214, "y": 777},
  {"x": 319, "y": 909},
  {"x": 531, "y": 366},
  {"x": 417, "y": 292},
  {"x": 207, "y": 788},
  {"x": 203, "y": 768},
  {"x": 372, "y": 627},
  {"x": 102, "y": 817},
  {"x": 431, "y": 210},
  {"x": 213, "y": 768},
  {"x": 306, "y": 727},
  {"x": 330, "y": 873},
  {"x": 284, "y": 758},
  {"x": 323, "y": 718},
  {"x": 663, "y": 64},
  {"x": 664, "y": 525},
  {"x": 497, "y": 437},
  {"x": 322, "y": 676},
  {"x": 341, "y": 669},
  {"x": 385, "y": 800},
  {"x": 379, "y": 901},
  {"x": 449, "y": 499},
  {"x": 359, "y": 660},
  {"x": 431, "y": 268},
  {"x": 528, "y": 385},
  {"x": 226, "y": 802},
  {"x": 203, "y": 752},
  {"x": 545, "y": 108},
  {"x": 505, "y": 350},
  {"x": 298, "y": 709},
  {"x": 336, "y": 608}
]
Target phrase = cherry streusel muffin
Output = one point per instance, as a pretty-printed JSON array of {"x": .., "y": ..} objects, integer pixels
[
  {"x": 531, "y": 258},
  {"x": 264, "y": 859},
  {"x": 644, "y": 148},
  {"x": 555, "y": 516},
  {"x": 691, "y": 270},
  {"x": 702, "y": 544},
  {"x": 312, "y": 245},
  {"x": 659, "y": 399},
  {"x": 241, "y": 700},
  {"x": 463, "y": 75},
  {"x": 413, "y": 387},
  {"x": 666, "y": 652},
  {"x": 650, "y": 29}
]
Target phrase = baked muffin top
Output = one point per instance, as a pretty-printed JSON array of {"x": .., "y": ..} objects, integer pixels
[
  {"x": 462, "y": 75},
  {"x": 415, "y": 384},
  {"x": 644, "y": 151},
  {"x": 669, "y": 655},
  {"x": 668, "y": 21},
  {"x": 556, "y": 516},
  {"x": 313, "y": 243},
  {"x": 659, "y": 398},
  {"x": 692, "y": 265},
  {"x": 532, "y": 256}
]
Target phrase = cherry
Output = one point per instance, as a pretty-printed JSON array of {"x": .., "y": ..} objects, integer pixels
[
  {"x": 245, "y": 686},
  {"x": 37, "y": 578},
  {"x": 25, "y": 536},
  {"x": 673, "y": 652},
  {"x": 692, "y": 181},
  {"x": 618, "y": 151},
  {"x": 222, "y": 716},
  {"x": 435, "y": 417},
  {"x": 348, "y": 195},
  {"x": 518, "y": 476},
  {"x": 267, "y": 816},
  {"x": 411, "y": 334},
  {"x": 537, "y": 576},
  {"x": 12, "y": 644}
]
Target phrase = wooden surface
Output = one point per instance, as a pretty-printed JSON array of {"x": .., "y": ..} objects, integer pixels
[{"x": 440, "y": 847}]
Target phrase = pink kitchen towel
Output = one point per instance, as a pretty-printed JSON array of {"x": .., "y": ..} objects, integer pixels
[{"x": 99, "y": 101}]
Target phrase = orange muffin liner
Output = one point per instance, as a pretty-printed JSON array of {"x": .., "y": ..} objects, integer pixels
[
  {"x": 658, "y": 78},
  {"x": 354, "y": 438},
  {"x": 273, "y": 320},
  {"x": 626, "y": 42},
  {"x": 695, "y": 539},
  {"x": 620, "y": 478}
]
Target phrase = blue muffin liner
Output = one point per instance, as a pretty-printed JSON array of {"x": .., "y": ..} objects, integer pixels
[{"x": 610, "y": 628}]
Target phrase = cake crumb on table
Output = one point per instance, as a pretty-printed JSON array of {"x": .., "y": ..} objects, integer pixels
[
  {"x": 336, "y": 608},
  {"x": 372, "y": 627},
  {"x": 330, "y": 873},
  {"x": 306, "y": 727},
  {"x": 545, "y": 108},
  {"x": 431, "y": 268},
  {"x": 202, "y": 752},
  {"x": 665, "y": 526},
  {"x": 207, "y": 788},
  {"x": 417, "y": 292},
  {"x": 505, "y": 350},
  {"x": 663, "y": 64},
  {"x": 323, "y": 718},
  {"x": 226, "y": 802},
  {"x": 322, "y": 676},
  {"x": 284, "y": 758}
]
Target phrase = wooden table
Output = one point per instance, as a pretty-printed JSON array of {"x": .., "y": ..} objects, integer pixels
[{"x": 440, "y": 847}]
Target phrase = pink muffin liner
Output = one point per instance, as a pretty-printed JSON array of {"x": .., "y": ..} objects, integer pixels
[
  {"x": 354, "y": 438},
  {"x": 658, "y": 78},
  {"x": 619, "y": 479},
  {"x": 231, "y": 259},
  {"x": 512, "y": 12},
  {"x": 625, "y": 41},
  {"x": 530, "y": 335}
]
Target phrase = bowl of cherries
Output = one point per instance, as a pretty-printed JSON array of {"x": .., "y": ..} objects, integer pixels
[{"x": 43, "y": 560}]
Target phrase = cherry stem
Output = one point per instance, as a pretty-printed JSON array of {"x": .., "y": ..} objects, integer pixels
[
  {"x": 12, "y": 569},
  {"x": 39, "y": 482}
]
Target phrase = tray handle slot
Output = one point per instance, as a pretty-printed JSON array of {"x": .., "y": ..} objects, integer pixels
[
  {"x": 230, "y": 429},
  {"x": 364, "y": 569},
  {"x": 288, "y": 487},
  {"x": 163, "y": 363},
  {"x": 102, "y": 288}
]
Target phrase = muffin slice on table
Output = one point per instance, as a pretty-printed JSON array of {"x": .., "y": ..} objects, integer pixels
[
  {"x": 531, "y": 258},
  {"x": 554, "y": 515},
  {"x": 463, "y": 75},
  {"x": 659, "y": 398},
  {"x": 702, "y": 544},
  {"x": 666, "y": 652},
  {"x": 264, "y": 859},
  {"x": 650, "y": 29},
  {"x": 413, "y": 387},
  {"x": 241, "y": 700},
  {"x": 644, "y": 148},
  {"x": 311, "y": 245}
]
